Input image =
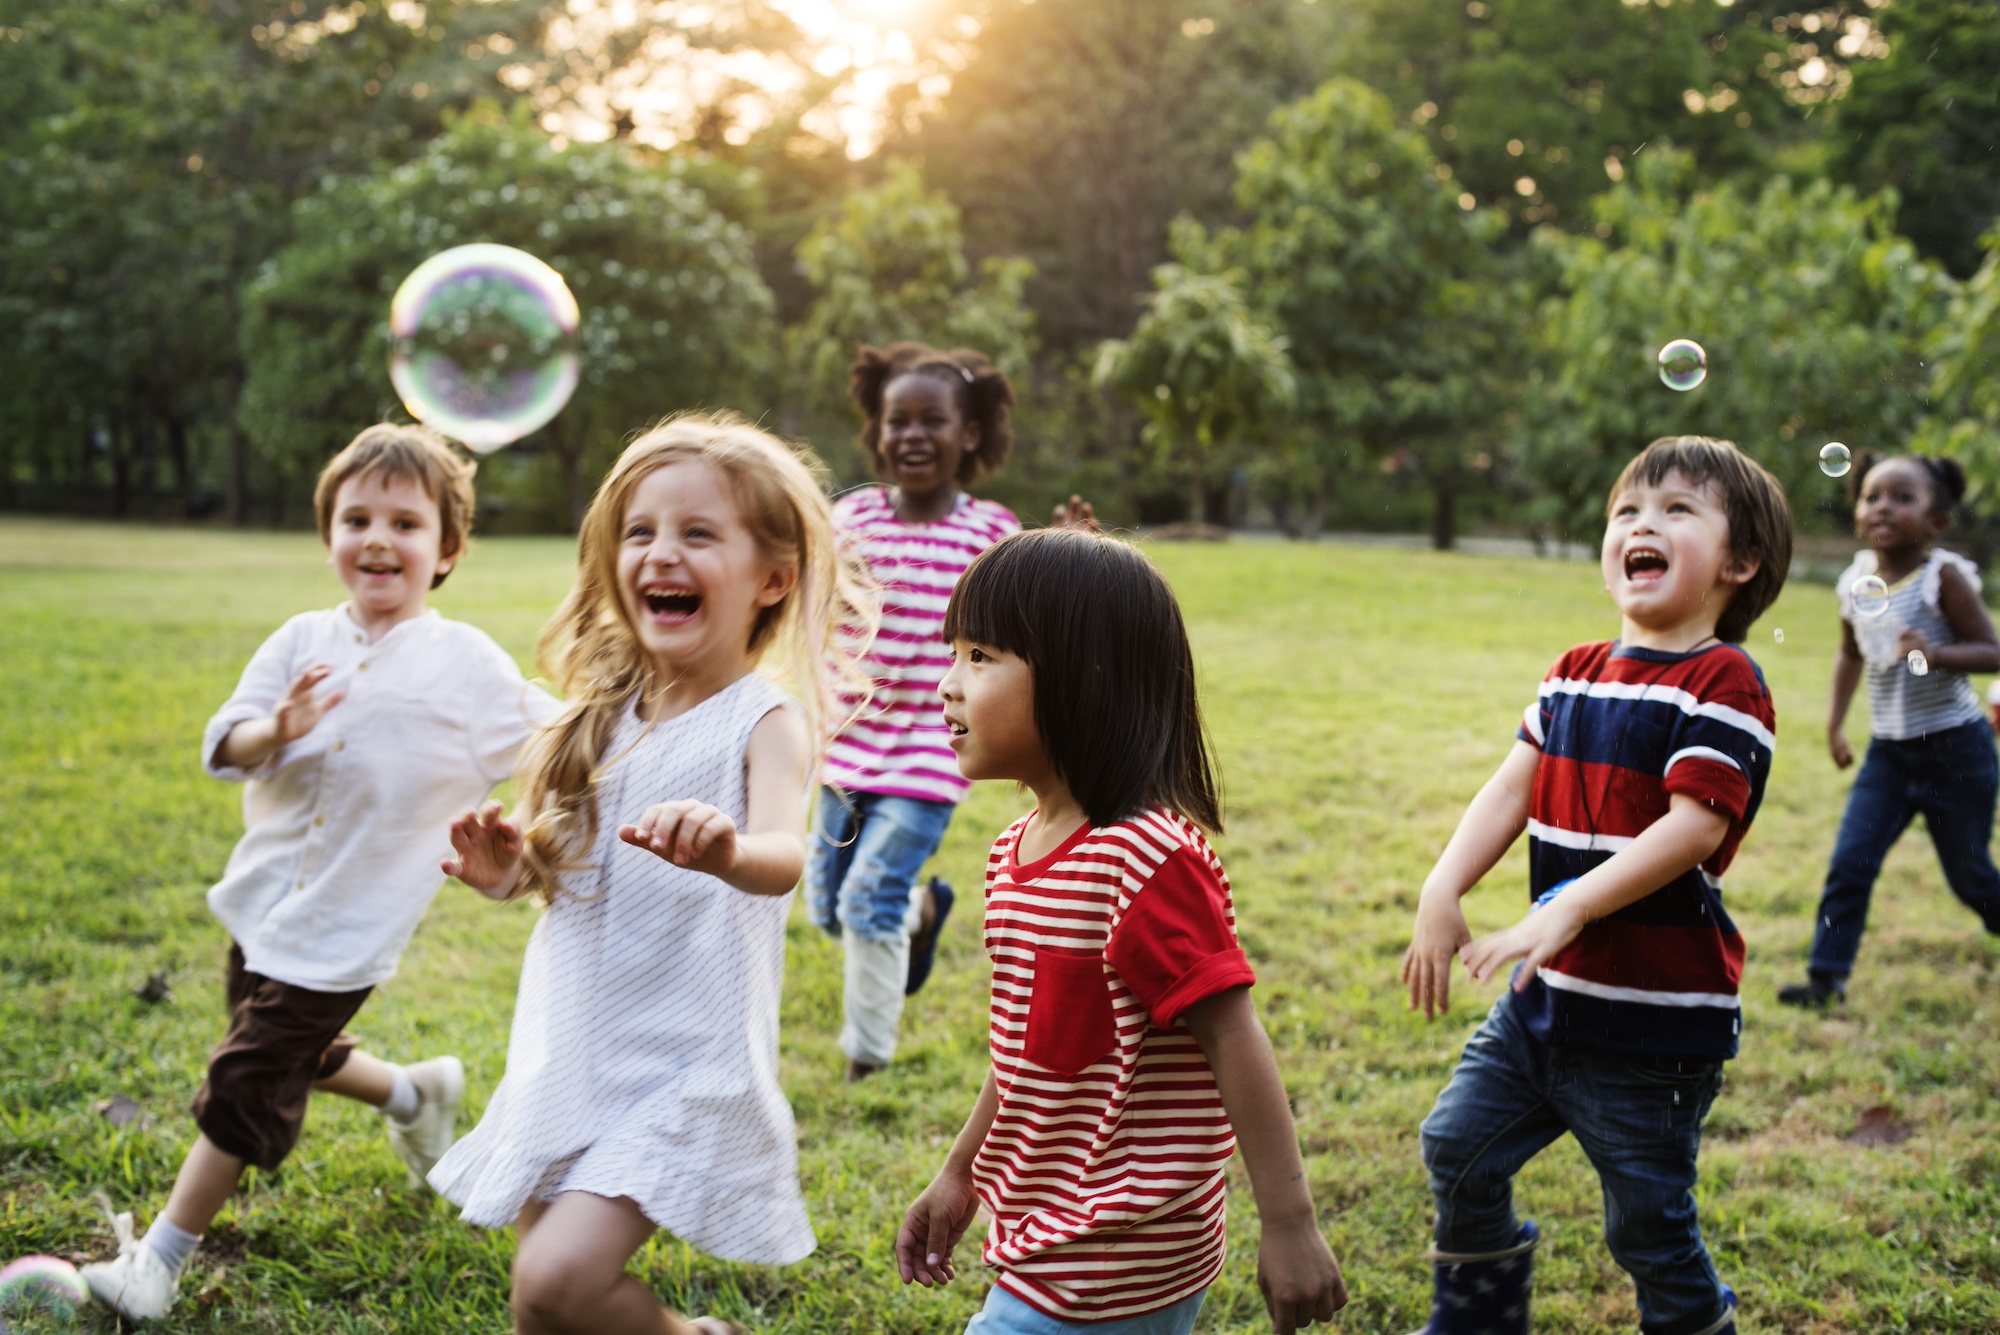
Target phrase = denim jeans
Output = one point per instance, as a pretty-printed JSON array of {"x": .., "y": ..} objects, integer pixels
[
  {"x": 1950, "y": 778},
  {"x": 1004, "y": 1314},
  {"x": 866, "y": 857},
  {"x": 1639, "y": 1123}
]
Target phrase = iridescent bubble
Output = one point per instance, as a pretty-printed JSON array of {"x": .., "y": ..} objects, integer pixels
[
  {"x": 1869, "y": 596},
  {"x": 1683, "y": 364},
  {"x": 42, "y": 1284},
  {"x": 483, "y": 344},
  {"x": 1779, "y": 635},
  {"x": 1834, "y": 460},
  {"x": 1919, "y": 665}
]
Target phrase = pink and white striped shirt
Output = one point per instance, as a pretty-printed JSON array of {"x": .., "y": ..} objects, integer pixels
[{"x": 899, "y": 745}]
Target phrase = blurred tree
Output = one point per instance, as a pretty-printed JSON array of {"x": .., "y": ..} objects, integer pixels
[
  {"x": 1534, "y": 106},
  {"x": 1812, "y": 311},
  {"x": 1202, "y": 369},
  {"x": 1077, "y": 131},
  {"x": 1964, "y": 354},
  {"x": 890, "y": 264},
  {"x": 1357, "y": 249},
  {"x": 1925, "y": 119},
  {"x": 675, "y": 314}
]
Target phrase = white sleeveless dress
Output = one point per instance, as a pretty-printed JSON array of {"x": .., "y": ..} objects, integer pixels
[{"x": 644, "y": 1055}]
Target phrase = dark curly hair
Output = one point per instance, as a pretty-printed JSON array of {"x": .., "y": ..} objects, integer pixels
[
  {"x": 1947, "y": 477},
  {"x": 984, "y": 396}
]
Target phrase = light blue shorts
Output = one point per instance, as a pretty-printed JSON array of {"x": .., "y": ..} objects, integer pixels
[{"x": 1004, "y": 1314}]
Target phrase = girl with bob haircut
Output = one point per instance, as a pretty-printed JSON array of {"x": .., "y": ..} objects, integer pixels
[
  {"x": 662, "y": 822},
  {"x": 1127, "y": 1060}
]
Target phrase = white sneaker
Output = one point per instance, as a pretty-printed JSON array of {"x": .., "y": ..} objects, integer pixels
[
  {"x": 139, "y": 1285},
  {"x": 422, "y": 1140}
]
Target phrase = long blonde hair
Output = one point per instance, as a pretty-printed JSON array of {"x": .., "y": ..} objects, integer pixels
[{"x": 809, "y": 641}]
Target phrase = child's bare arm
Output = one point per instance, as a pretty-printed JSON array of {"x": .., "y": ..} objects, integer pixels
[
  {"x": 1978, "y": 649},
  {"x": 1494, "y": 820},
  {"x": 939, "y": 1217},
  {"x": 768, "y": 854},
  {"x": 1295, "y": 1268},
  {"x": 253, "y": 741},
  {"x": 1847, "y": 665},
  {"x": 1671, "y": 846}
]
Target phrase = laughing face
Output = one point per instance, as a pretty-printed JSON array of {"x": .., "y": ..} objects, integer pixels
[
  {"x": 691, "y": 575},
  {"x": 385, "y": 546},
  {"x": 1667, "y": 561},
  {"x": 925, "y": 435}
]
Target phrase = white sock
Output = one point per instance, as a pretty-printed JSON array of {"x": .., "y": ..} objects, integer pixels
[
  {"x": 404, "y": 1101},
  {"x": 172, "y": 1244}
]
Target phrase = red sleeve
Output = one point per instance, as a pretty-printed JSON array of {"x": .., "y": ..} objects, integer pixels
[{"x": 1174, "y": 946}]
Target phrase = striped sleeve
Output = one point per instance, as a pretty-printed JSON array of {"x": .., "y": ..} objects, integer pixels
[{"x": 1720, "y": 750}]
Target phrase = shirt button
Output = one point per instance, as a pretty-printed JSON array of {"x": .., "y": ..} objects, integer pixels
[
  {"x": 299, "y": 885},
  {"x": 362, "y": 668},
  {"x": 340, "y": 746},
  {"x": 319, "y": 820}
]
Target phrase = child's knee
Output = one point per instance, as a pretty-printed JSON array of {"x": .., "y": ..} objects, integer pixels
[
  {"x": 874, "y": 903},
  {"x": 555, "y": 1286}
]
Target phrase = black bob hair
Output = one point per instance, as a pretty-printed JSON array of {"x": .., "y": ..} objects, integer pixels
[
  {"x": 1760, "y": 519},
  {"x": 1946, "y": 476},
  {"x": 1114, "y": 675}
]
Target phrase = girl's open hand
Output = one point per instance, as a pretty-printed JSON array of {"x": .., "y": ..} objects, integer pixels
[
  {"x": 932, "y": 1227},
  {"x": 1440, "y": 933},
  {"x": 299, "y": 713},
  {"x": 1075, "y": 513},
  {"x": 488, "y": 847},
  {"x": 1535, "y": 939},
  {"x": 1912, "y": 641},
  {"x": 1298, "y": 1275},
  {"x": 688, "y": 834}
]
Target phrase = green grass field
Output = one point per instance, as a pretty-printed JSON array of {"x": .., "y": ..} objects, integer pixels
[{"x": 1358, "y": 699}]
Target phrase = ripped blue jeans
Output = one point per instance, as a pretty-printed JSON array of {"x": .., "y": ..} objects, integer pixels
[{"x": 866, "y": 856}]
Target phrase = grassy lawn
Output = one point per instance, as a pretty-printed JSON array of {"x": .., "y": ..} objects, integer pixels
[{"x": 1358, "y": 699}]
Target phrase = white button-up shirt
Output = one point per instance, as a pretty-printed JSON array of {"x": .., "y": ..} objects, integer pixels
[{"x": 344, "y": 827}]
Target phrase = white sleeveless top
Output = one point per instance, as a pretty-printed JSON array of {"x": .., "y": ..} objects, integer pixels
[
  {"x": 1901, "y": 704},
  {"x": 644, "y": 1056}
]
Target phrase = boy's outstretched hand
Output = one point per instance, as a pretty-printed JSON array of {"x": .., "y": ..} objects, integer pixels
[
  {"x": 489, "y": 851},
  {"x": 1298, "y": 1275},
  {"x": 1535, "y": 940},
  {"x": 688, "y": 834},
  {"x": 299, "y": 713},
  {"x": 1440, "y": 934},
  {"x": 932, "y": 1227}
]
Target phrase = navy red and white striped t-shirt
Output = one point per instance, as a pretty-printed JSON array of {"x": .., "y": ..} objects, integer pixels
[
  {"x": 1104, "y": 1170},
  {"x": 899, "y": 745},
  {"x": 1621, "y": 730}
]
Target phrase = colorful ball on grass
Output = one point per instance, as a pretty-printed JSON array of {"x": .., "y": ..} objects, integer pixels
[
  {"x": 1683, "y": 364},
  {"x": 483, "y": 344},
  {"x": 42, "y": 1284}
]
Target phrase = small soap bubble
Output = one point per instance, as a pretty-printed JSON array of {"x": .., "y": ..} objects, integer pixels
[
  {"x": 1779, "y": 635},
  {"x": 1834, "y": 460},
  {"x": 483, "y": 344},
  {"x": 1869, "y": 596},
  {"x": 1919, "y": 665},
  {"x": 1683, "y": 364},
  {"x": 42, "y": 1284}
]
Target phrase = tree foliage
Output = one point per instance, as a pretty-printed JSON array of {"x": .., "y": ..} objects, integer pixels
[{"x": 1964, "y": 353}]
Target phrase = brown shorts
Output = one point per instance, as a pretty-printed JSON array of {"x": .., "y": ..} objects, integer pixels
[{"x": 281, "y": 1039}]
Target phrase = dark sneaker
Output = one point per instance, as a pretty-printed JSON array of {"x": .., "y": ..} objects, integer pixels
[
  {"x": 923, "y": 943},
  {"x": 1817, "y": 993}
]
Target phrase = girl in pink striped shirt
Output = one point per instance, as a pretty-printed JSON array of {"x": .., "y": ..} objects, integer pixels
[{"x": 934, "y": 421}]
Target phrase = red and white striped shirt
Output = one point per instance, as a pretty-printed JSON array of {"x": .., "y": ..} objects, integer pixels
[
  {"x": 900, "y": 745},
  {"x": 1104, "y": 1168}
]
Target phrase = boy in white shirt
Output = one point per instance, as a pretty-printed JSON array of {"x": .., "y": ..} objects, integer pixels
[{"x": 362, "y": 731}]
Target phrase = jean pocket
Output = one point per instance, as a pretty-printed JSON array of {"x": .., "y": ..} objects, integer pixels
[
  {"x": 1683, "y": 1075},
  {"x": 1070, "y": 1026}
]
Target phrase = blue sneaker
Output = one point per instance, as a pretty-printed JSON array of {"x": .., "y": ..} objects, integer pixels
[{"x": 923, "y": 944}]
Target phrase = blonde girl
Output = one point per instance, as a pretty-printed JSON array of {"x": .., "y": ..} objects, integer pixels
[{"x": 662, "y": 822}]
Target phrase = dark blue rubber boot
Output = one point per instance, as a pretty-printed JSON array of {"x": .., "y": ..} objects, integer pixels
[
  {"x": 1726, "y": 1326},
  {"x": 1484, "y": 1293}
]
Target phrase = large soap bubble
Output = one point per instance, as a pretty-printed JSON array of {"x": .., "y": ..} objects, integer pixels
[
  {"x": 483, "y": 344},
  {"x": 1869, "y": 596},
  {"x": 1835, "y": 459},
  {"x": 1683, "y": 364},
  {"x": 42, "y": 1284}
]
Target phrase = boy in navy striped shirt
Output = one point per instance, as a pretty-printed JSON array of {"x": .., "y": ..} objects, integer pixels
[{"x": 1635, "y": 774}]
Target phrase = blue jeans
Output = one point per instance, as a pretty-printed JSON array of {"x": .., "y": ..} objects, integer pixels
[
  {"x": 866, "y": 857},
  {"x": 1949, "y": 777},
  {"x": 1640, "y": 1124},
  {"x": 1004, "y": 1314}
]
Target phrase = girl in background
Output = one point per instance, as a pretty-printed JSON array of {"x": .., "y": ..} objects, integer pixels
[
  {"x": 1930, "y": 749},
  {"x": 932, "y": 422},
  {"x": 1127, "y": 1060},
  {"x": 662, "y": 822}
]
